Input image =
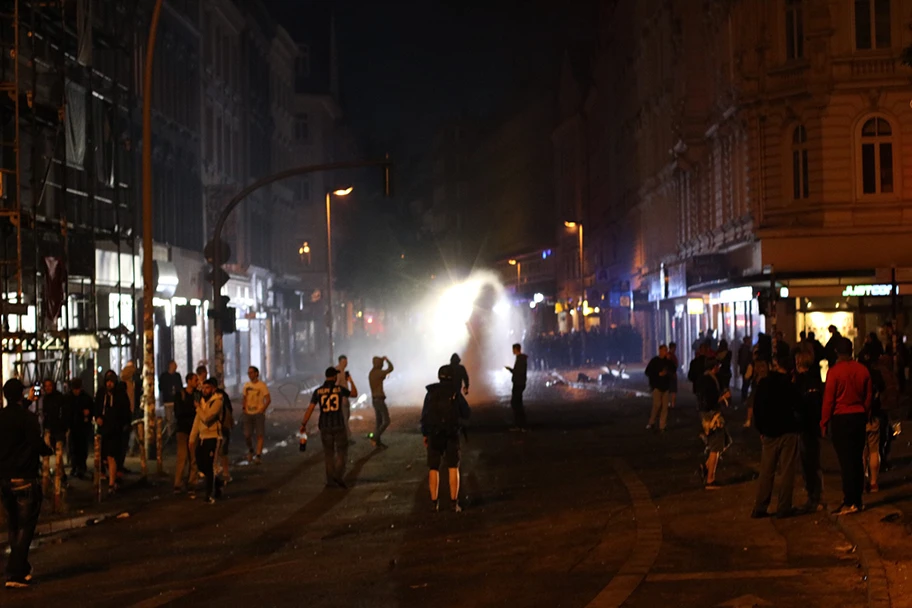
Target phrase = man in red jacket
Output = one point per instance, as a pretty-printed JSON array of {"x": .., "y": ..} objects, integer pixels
[{"x": 846, "y": 408}]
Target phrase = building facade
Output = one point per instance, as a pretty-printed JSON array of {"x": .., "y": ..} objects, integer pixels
[{"x": 756, "y": 156}]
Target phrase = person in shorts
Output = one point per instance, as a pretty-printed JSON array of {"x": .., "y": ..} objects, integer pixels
[
  {"x": 443, "y": 408},
  {"x": 256, "y": 401},
  {"x": 112, "y": 416}
]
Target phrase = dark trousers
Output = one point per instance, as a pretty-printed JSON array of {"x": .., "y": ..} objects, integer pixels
[
  {"x": 383, "y": 416},
  {"x": 21, "y": 499},
  {"x": 335, "y": 451},
  {"x": 80, "y": 438},
  {"x": 205, "y": 461},
  {"x": 849, "y": 438},
  {"x": 516, "y": 402},
  {"x": 809, "y": 449},
  {"x": 777, "y": 452},
  {"x": 745, "y": 386}
]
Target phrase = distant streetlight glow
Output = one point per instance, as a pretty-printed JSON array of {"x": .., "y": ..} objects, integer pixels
[
  {"x": 512, "y": 262},
  {"x": 570, "y": 224},
  {"x": 343, "y": 191}
]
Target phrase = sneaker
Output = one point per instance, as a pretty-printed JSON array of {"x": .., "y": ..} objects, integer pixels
[
  {"x": 648, "y": 427},
  {"x": 846, "y": 510},
  {"x": 258, "y": 459},
  {"x": 457, "y": 508},
  {"x": 712, "y": 485},
  {"x": 435, "y": 505},
  {"x": 17, "y": 583}
]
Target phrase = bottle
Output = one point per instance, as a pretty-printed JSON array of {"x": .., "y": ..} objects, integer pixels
[{"x": 303, "y": 445}]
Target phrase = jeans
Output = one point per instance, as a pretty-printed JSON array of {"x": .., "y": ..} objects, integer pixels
[
  {"x": 335, "y": 452},
  {"x": 383, "y": 416},
  {"x": 777, "y": 451},
  {"x": 849, "y": 438},
  {"x": 659, "y": 408},
  {"x": 185, "y": 458},
  {"x": 205, "y": 460},
  {"x": 809, "y": 449},
  {"x": 516, "y": 402},
  {"x": 22, "y": 501}
]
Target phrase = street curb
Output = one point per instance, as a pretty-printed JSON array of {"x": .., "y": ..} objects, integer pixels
[
  {"x": 875, "y": 573},
  {"x": 71, "y": 523}
]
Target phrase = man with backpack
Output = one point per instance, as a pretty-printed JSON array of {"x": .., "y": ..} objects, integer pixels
[{"x": 443, "y": 408}]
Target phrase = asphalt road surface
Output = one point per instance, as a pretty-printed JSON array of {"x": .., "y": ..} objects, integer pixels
[{"x": 587, "y": 509}]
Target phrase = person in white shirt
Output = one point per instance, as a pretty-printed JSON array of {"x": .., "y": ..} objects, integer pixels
[{"x": 256, "y": 401}]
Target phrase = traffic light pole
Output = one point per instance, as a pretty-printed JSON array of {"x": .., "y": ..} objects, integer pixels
[{"x": 234, "y": 202}]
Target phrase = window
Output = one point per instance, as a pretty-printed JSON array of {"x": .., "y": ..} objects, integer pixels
[
  {"x": 872, "y": 24},
  {"x": 302, "y": 62},
  {"x": 302, "y": 129},
  {"x": 800, "y": 188},
  {"x": 794, "y": 29},
  {"x": 877, "y": 157}
]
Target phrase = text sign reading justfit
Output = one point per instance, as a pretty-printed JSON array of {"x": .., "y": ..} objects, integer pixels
[{"x": 859, "y": 291}]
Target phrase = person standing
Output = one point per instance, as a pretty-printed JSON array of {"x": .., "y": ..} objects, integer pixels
[
  {"x": 460, "y": 375},
  {"x": 711, "y": 399},
  {"x": 169, "y": 385},
  {"x": 776, "y": 408},
  {"x": 675, "y": 367},
  {"x": 810, "y": 393},
  {"x": 256, "y": 402},
  {"x": 57, "y": 416},
  {"x": 205, "y": 434},
  {"x": 80, "y": 406},
  {"x": 378, "y": 397},
  {"x": 745, "y": 357},
  {"x": 112, "y": 416},
  {"x": 185, "y": 473},
  {"x": 441, "y": 413},
  {"x": 518, "y": 372},
  {"x": 725, "y": 371},
  {"x": 21, "y": 449},
  {"x": 830, "y": 349},
  {"x": 846, "y": 407},
  {"x": 343, "y": 378},
  {"x": 659, "y": 372},
  {"x": 333, "y": 433}
]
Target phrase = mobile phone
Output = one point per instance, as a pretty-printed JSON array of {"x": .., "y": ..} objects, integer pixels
[{"x": 37, "y": 389}]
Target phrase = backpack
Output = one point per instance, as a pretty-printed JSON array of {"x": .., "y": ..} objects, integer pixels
[
  {"x": 443, "y": 411},
  {"x": 227, "y": 412}
]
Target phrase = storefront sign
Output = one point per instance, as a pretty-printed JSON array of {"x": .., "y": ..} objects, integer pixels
[
  {"x": 676, "y": 276},
  {"x": 695, "y": 306},
  {"x": 868, "y": 290},
  {"x": 738, "y": 294}
]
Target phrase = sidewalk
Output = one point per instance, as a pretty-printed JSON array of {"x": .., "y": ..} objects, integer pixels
[{"x": 80, "y": 506}]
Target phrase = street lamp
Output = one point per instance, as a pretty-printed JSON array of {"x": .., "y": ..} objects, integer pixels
[
  {"x": 518, "y": 272},
  {"x": 579, "y": 227},
  {"x": 304, "y": 252},
  {"x": 329, "y": 267}
]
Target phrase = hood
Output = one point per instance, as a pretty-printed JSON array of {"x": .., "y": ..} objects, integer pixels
[
  {"x": 378, "y": 362},
  {"x": 455, "y": 360},
  {"x": 128, "y": 372}
]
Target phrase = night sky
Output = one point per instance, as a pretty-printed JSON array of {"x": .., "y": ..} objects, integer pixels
[{"x": 407, "y": 65}]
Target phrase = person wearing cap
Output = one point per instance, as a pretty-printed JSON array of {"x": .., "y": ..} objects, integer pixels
[
  {"x": 444, "y": 408},
  {"x": 333, "y": 425},
  {"x": 847, "y": 399},
  {"x": 711, "y": 398},
  {"x": 21, "y": 449},
  {"x": 112, "y": 415},
  {"x": 80, "y": 407}
]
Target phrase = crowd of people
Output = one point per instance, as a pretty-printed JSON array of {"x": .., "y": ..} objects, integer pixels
[
  {"x": 576, "y": 349},
  {"x": 795, "y": 396}
]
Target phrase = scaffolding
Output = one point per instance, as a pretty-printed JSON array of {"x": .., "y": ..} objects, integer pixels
[{"x": 67, "y": 187}]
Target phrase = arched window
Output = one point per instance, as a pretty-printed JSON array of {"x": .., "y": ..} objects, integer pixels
[
  {"x": 800, "y": 186},
  {"x": 876, "y": 156}
]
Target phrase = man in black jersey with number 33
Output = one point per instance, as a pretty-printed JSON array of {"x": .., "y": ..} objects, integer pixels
[{"x": 332, "y": 425}]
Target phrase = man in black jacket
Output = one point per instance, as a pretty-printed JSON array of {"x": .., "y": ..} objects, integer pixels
[
  {"x": 57, "y": 417},
  {"x": 810, "y": 392},
  {"x": 659, "y": 372},
  {"x": 21, "y": 448},
  {"x": 112, "y": 415},
  {"x": 776, "y": 417},
  {"x": 444, "y": 408},
  {"x": 184, "y": 413},
  {"x": 518, "y": 371},
  {"x": 80, "y": 407}
]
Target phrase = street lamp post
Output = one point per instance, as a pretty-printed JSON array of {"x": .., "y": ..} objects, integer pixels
[
  {"x": 329, "y": 269},
  {"x": 579, "y": 227}
]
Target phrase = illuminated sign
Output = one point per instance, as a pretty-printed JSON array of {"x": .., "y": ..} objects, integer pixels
[
  {"x": 783, "y": 292},
  {"x": 859, "y": 291},
  {"x": 695, "y": 306},
  {"x": 738, "y": 294}
]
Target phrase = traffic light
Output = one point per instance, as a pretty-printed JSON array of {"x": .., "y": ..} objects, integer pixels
[
  {"x": 226, "y": 315},
  {"x": 763, "y": 301}
]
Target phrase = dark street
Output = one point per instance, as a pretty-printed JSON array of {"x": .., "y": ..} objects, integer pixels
[{"x": 586, "y": 509}]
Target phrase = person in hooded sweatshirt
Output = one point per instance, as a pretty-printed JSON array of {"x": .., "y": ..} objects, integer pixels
[
  {"x": 460, "y": 375},
  {"x": 378, "y": 397},
  {"x": 112, "y": 416},
  {"x": 518, "y": 371},
  {"x": 441, "y": 415},
  {"x": 776, "y": 417},
  {"x": 206, "y": 433}
]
